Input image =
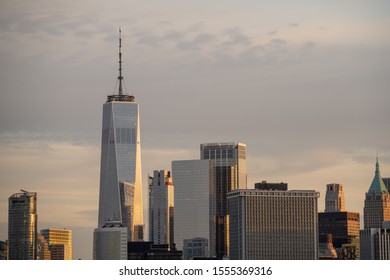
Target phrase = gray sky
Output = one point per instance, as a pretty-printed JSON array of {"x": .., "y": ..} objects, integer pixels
[{"x": 305, "y": 84}]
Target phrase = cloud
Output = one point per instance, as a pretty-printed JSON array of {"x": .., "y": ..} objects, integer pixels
[
  {"x": 273, "y": 32},
  {"x": 149, "y": 39},
  {"x": 174, "y": 35},
  {"x": 197, "y": 43},
  {"x": 278, "y": 41},
  {"x": 63, "y": 174},
  {"x": 236, "y": 37}
]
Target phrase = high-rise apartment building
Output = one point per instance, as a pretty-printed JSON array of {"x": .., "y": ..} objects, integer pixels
[
  {"x": 334, "y": 199},
  {"x": 120, "y": 197},
  {"x": 161, "y": 208},
  {"x": 60, "y": 243},
  {"x": 22, "y": 226},
  {"x": 273, "y": 225},
  {"x": 194, "y": 182},
  {"x": 230, "y": 174},
  {"x": 377, "y": 202}
]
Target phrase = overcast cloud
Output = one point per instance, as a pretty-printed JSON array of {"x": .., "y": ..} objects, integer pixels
[{"x": 305, "y": 85}]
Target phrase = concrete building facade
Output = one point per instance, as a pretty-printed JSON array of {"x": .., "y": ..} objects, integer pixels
[{"x": 273, "y": 225}]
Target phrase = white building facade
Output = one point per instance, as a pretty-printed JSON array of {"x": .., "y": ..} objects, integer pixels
[{"x": 161, "y": 208}]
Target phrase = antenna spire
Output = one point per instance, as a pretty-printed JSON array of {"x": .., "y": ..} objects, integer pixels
[
  {"x": 121, "y": 96},
  {"x": 120, "y": 78}
]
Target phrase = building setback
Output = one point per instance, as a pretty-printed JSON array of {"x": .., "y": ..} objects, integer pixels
[
  {"x": 273, "y": 225},
  {"x": 22, "y": 226},
  {"x": 60, "y": 243},
  {"x": 161, "y": 208},
  {"x": 334, "y": 198}
]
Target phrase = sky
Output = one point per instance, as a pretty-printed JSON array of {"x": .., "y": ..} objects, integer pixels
[{"x": 304, "y": 84}]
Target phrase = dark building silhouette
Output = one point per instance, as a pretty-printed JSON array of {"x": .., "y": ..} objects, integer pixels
[
  {"x": 145, "y": 250},
  {"x": 343, "y": 226},
  {"x": 265, "y": 186}
]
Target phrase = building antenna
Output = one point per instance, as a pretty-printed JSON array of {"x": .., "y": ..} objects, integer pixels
[{"x": 120, "y": 78}]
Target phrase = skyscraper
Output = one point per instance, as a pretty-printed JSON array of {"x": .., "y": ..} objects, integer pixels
[
  {"x": 342, "y": 225},
  {"x": 194, "y": 182},
  {"x": 120, "y": 197},
  {"x": 22, "y": 226},
  {"x": 60, "y": 243},
  {"x": 377, "y": 202},
  {"x": 273, "y": 225},
  {"x": 334, "y": 198},
  {"x": 230, "y": 174},
  {"x": 161, "y": 208}
]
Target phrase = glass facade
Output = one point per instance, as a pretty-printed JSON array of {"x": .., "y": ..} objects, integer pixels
[
  {"x": 110, "y": 242},
  {"x": 194, "y": 182},
  {"x": 121, "y": 166},
  {"x": 22, "y": 226},
  {"x": 344, "y": 228},
  {"x": 230, "y": 173},
  {"x": 60, "y": 243}
]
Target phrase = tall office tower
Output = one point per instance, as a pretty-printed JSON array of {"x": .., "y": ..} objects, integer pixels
[
  {"x": 161, "y": 208},
  {"x": 22, "y": 226},
  {"x": 377, "y": 202},
  {"x": 375, "y": 243},
  {"x": 334, "y": 199},
  {"x": 60, "y": 243},
  {"x": 230, "y": 173},
  {"x": 273, "y": 225},
  {"x": 194, "y": 182},
  {"x": 120, "y": 197},
  {"x": 110, "y": 242}
]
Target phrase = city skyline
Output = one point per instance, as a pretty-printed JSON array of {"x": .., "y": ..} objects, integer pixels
[{"x": 303, "y": 84}]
